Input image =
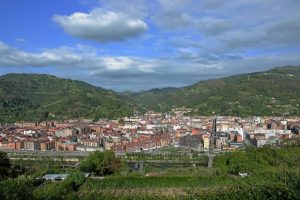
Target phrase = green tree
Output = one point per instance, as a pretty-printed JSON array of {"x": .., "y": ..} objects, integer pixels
[
  {"x": 239, "y": 162},
  {"x": 4, "y": 165},
  {"x": 101, "y": 163},
  {"x": 17, "y": 188},
  {"x": 60, "y": 190}
]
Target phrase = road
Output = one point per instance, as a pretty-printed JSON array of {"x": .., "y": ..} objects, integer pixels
[
  {"x": 210, "y": 160},
  {"x": 47, "y": 153},
  {"x": 69, "y": 155}
]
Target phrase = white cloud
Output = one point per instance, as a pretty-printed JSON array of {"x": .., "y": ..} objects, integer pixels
[
  {"x": 233, "y": 27},
  {"x": 3, "y": 47},
  {"x": 212, "y": 26},
  {"x": 79, "y": 57},
  {"x": 117, "y": 63},
  {"x": 174, "y": 14},
  {"x": 135, "y": 73},
  {"x": 134, "y": 8},
  {"x": 173, "y": 20},
  {"x": 20, "y": 40},
  {"x": 101, "y": 26}
]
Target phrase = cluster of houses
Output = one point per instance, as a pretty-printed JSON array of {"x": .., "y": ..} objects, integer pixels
[{"x": 149, "y": 132}]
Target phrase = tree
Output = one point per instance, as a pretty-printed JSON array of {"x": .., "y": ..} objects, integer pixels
[
  {"x": 239, "y": 162},
  {"x": 101, "y": 163},
  {"x": 60, "y": 190},
  {"x": 17, "y": 188},
  {"x": 4, "y": 165}
]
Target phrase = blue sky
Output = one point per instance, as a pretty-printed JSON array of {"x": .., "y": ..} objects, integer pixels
[{"x": 143, "y": 44}]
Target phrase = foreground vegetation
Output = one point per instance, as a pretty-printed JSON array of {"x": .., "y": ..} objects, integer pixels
[
  {"x": 200, "y": 160},
  {"x": 278, "y": 186},
  {"x": 272, "y": 174}
]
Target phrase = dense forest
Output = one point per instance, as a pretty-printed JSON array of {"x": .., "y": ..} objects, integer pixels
[
  {"x": 39, "y": 97},
  {"x": 273, "y": 92}
]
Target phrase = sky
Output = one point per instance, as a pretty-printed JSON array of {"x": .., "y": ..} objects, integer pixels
[{"x": 133, "y": 45}]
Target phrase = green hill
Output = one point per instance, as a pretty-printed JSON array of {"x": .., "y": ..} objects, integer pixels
[
  {"x": 40, "y": 97},
  {"x": 273, "y": 92}
]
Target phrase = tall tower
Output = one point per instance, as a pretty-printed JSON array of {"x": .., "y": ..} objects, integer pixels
[
  {"x": 213, "y": 134},
  {"x": 214, "y": 127}
]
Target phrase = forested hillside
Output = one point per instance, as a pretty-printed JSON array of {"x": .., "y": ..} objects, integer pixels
[
  {"x": 40, "y": 97},
  {"x": 273, "y": 92}
]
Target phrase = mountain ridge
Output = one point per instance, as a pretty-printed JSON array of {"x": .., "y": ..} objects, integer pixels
[
  {"x": 251, "y": 92},
  {"x": 42, "y": 96}
]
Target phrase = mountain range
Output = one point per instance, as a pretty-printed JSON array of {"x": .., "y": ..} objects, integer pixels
[
  {"x": 41, "y": 97},
  {"x": 272, "y": 92}
]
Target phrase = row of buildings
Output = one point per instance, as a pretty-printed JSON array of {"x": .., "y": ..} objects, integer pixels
[{"x": 149, "y": 132}]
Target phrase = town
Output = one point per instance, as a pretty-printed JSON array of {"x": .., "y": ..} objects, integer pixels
[{"x": 150, "y": 132}]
